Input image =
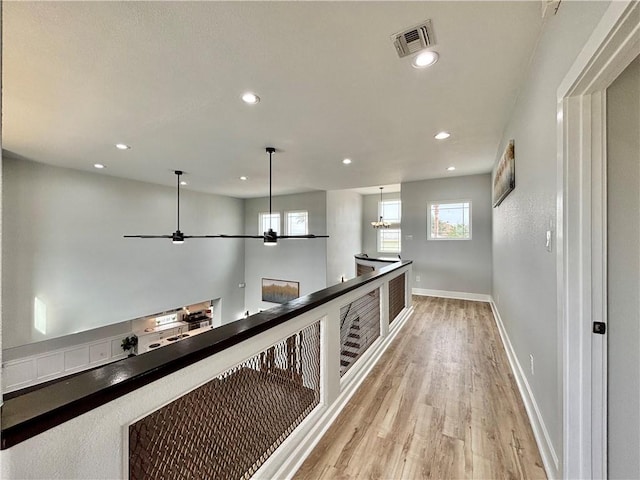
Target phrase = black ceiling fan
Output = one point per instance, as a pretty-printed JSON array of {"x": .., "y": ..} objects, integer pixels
[
  {"x": 270, "y": 237},
  {"x": 177, "y": 237}
]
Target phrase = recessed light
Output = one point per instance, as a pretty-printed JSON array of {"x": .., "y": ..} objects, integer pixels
[
  {"x": 346, "y": 161},
  {"x": 182, "y": 182},
  {"x": 243, "y": 178},
  {"x": 442, "y": 135},
  {"x": 99, "y": 166},
  {"x": 122, "y": 146},
  {"x": 451, "y": 169},
  {"x": 425, "y": 59},
  {"x": 250, "y": 98}
]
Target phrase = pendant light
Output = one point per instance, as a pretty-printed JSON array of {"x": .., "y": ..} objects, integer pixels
[{"x": 380, "y": 223}]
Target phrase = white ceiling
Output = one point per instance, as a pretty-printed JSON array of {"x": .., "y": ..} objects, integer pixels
[{"x": 167, "y": 78}]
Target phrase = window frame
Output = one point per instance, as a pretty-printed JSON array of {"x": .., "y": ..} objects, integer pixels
[
  {"x": 261, "y": 215},
  {"x": 395, "y": 225},
  {"x": 286, "y": 222},
  {"x": 430, "y": 204}
]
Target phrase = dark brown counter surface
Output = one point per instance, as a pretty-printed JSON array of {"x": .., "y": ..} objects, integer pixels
[{"x": 37, "y": 410}]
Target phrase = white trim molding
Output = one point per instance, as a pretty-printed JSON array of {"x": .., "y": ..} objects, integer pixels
[
  {"x": 540, "y": 432},
  {"x": 475, "y": 297},
  {"x": 581, "y": 149}
]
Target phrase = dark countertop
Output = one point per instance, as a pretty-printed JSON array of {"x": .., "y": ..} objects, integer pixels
[{"x": 38, "y": 410}]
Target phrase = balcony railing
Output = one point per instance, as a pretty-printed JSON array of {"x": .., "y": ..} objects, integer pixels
[{"x": 250, "y": 398}]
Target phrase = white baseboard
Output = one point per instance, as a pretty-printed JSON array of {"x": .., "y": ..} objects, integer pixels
[
  {"x": 545, "y": 446},
  {"x": 289, "y": 457},
  {"x": 476, "y": 297}
]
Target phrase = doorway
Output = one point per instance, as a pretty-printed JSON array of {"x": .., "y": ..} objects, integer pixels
[
  {"x": 623, "y": 274},
  {"x": 582, "y": 249}
]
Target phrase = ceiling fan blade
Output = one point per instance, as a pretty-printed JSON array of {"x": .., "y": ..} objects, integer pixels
[
  {"x": 311, "y": 235},
  {"x": 147, "y": 236},
  {"x": 223, "y": 236}
]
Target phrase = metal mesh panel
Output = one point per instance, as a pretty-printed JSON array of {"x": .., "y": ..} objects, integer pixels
[
  {"x": 227, "y": 428},
  {"x": 396, "y": 297},
  {"x": 359, "y": 327}
]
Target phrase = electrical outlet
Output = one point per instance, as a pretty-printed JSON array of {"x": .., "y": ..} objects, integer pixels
[
  {"x": 417, "y": 278},
  {"x": 531, "y": 364}
]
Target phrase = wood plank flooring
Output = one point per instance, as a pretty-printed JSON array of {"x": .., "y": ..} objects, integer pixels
[{"x": 441, "y": 403}]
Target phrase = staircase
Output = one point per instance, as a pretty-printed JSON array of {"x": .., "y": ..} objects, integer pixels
[{"x": 350, "y": 347}]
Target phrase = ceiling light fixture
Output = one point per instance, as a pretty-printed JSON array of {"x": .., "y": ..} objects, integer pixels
[
  {"x": 451, "y": 169},
  {"x": 183, "y": 183},
  {"x": 442, "y": 135},
  {"x": 99, "y": 166},
  {"x": 243, "y": 178},
  {"x": 380, "y": 223},
  {"x": 122, "y": 146},
  {"x": 425, "y": 59},
  {"x": 250, "y": 98},
  {"x": 346, "y": 161}
]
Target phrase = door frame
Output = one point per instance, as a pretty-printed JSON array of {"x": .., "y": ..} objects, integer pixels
[{"x": 581, "y": 235}]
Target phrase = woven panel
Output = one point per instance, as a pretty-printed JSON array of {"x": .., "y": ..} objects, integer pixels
[
  {"x": 396, "y": 297},
  {"x": 362, "y": 269},
  {"x": 359, "y": 327},
  {"x": 227, "y": 428}
]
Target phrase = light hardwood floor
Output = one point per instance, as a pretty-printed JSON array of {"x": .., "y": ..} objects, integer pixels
[{"x": 441, "y": 403}]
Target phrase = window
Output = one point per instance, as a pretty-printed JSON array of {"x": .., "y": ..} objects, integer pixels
[
  {"x": 297, "y": 223},
  {"x": 449, "y": 220},
  {"x": 266, "y": 221},
  {"x": 389, "y": 238}
]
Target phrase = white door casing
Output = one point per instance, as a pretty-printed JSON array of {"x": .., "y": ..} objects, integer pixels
[{"x": 581, "y": 227}]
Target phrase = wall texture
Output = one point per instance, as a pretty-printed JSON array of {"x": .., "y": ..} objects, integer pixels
[
  {"x": 63, "y": 244},
  {"x": 344, "y": 218},
  {"x": 303, "y": 261},
  {"x": 451, "y": 265},
  {"x": 623, "y": 257},
  {"x": 524, "y": 273}
]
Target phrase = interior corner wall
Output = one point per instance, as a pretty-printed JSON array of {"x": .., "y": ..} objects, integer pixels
[
  {"x": 524, "y": 272},
  {"x": 63, "y": 243},
  {"x": 462, "y": 266},
  {"x": 303, "y": 261},
  {"x": 370, "y": 214},
  {"x": 344, "y": 217}
]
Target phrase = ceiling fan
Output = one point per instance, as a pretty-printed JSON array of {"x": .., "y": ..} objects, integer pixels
[
  {"x": 176, "y": 237},
  {"x": 270, "y": 237}
]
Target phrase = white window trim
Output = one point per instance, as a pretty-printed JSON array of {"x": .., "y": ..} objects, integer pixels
[
  {"x": 440, "y": 202},
  {"x": 286, "y": 221}
]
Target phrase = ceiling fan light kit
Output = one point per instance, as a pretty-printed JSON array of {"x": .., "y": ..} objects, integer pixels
[{"x": 270, "y": 237}]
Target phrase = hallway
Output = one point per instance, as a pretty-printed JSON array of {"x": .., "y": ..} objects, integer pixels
[{"x": 441, "y": 403}]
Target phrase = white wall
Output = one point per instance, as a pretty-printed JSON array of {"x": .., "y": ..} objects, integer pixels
[
  {"x": 450, "y": 265},
  {"x": 370, "y": 214},
  {"x": 524, "y": 273},
  {"x": 344, "y": 218},
  {"x": 303, "y": 261},
  {"x": 623, "y": 259},
  {"x": 63, "y": 243}
]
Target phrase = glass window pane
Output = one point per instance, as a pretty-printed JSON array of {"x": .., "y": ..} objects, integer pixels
[
  {"x": 449, "y": 220},
  {"x": 389, "y": 240},
  {"x": 297, "y": 223}
]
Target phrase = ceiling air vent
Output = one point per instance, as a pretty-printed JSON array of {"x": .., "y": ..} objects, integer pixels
[{"x": 414, "y": 39}]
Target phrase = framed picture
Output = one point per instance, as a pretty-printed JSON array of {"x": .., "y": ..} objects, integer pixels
[
  {"x": 504, "y": 179},
  {"x": 279, "y": 291}
]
